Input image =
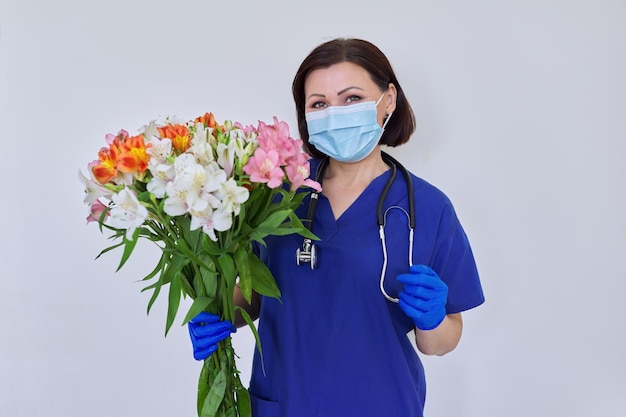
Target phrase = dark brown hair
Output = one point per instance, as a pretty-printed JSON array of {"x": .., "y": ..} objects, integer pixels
[{"x": 369, "y": 57}]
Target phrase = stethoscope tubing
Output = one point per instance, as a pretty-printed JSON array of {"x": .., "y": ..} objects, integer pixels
[
  {"x": 308, "y": 254},
  {"x": 391, "y": 161}
]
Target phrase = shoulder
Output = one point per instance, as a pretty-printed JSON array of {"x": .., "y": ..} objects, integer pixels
[
  {"x": 425, "y": 191},
  {"x": 431, "y": 205}
]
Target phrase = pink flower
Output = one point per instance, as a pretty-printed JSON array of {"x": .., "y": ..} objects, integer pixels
[
  {"x": 96, "y": 209},
  {"x": 298, "y": 171},
  {"x": 276, "y": 138},
  {"x": 264, "y": 167},
  {"x": 246, "y": 130},
  {"x": 122, "y": 135}
]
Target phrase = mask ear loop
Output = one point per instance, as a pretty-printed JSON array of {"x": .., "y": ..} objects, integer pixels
[
  {"x": 380, "y": 98},
  {"x": 387, "y": 120},
  {"x": 388, "y": 115}
]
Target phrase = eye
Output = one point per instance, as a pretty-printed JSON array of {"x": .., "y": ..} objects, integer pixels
[
  {"x": 318, "y": 105},
  {"x": 353, "y": 99}
]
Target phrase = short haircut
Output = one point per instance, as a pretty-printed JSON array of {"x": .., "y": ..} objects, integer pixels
[{"x": 366, "y": 55}]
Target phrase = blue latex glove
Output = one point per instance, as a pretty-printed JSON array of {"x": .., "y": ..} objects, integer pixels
[
  {"x": 206, "y": 331},
  {"x": 424, "y": 297}
]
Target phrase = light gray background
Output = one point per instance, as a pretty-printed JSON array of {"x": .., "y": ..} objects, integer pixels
[{"x": 521, "y": 121}]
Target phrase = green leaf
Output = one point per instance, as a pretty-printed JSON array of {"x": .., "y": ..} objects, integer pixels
[
  {"x": 172, "y": 265},
  {"x": 275, "y": 219},
  {"x": 245, "y": 275},
  {"x": 173, "y": 302},
  {"x": 215, "y": 396},
  {"x": 209, "y": 280},
  {"x": 284, "y": 229},
  {"x": 262, "y": 281},
  {"x": 103, "y": 217},
  {"x": 240, "y": 219},
  {"x": 198, "y": 305},
  {"x": 297, "y": 223},
  {"x": 176, "y": 264},
  {"x": 163, "y": 263},
  {"x": 210, "y": 247},
  {"x": 227, "y": 267},
  {"x": 155, "y": 294},
  {"x": 144, "y": 197},
  {"x": 242, "y": 397},
  {"x": 158, "y": 268},
  {"x": 129, "y": 246},
  {"x": 184, "y": 248},
  {"x": 257, "y": 202},
  {"x": 260, "y": 233},
  {"x": 246, "y": 317},
  {"x": 187, "y": 287},
  {"x": 203, "y": 383},
  {"x": 243, "y": 402},
  {"x": 297, "y": 198},
  {"x": 189, "y": 236},
  {"x": 110, "y": 248}
]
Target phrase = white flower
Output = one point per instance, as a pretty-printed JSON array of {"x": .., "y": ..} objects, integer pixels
[
  {"x": 215, "y": 177},
  {"x": 127, "y": 212},
  {"x": 177, "y": 189},
  {"x": 176, "y": 202},
  {"x": 184, "y": 163},
  {"x": 187, "y": 181},
  {"x": 226, "y": 156},
  {"x": 206, "y": 182},
  {"x": 150, "y": 130},
  {"x": 162, "y": 174},
  {"x": 200, "y": 147},
  {"x": 170, "y": 119},
  {"x": 124, "y": 178},
  {"x": 93, "y": 190},
  {"x": 232, "y": 196},
  {"x": 239, "y": 140},
  {"x": 193, "y": 186},
  {"x": 211, "y": 220},
  {"x": 162, "y": 171},
  {"x": 159, "y": 151}
]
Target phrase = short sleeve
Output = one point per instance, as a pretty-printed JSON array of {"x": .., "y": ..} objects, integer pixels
[{"x": 454, "y": 262}]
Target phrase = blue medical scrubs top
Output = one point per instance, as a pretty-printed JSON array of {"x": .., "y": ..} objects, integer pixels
[{"x": 333, "y": 345}]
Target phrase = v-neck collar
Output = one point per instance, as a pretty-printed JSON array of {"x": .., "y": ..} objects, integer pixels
[{"x": 360, "y": 209}]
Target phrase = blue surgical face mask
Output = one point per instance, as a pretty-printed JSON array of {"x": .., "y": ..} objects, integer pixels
[{"x": 346, "y": 133}]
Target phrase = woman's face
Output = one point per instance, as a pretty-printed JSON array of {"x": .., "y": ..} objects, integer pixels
[{"x": 344, "y": 84}]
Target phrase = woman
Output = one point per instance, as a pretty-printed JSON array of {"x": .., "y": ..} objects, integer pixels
[{"x": 334, "y": 345}]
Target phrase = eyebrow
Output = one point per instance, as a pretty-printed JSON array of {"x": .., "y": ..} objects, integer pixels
[
  {"x": 338, "y": 93},
  {"x": 348, "y": 88}
]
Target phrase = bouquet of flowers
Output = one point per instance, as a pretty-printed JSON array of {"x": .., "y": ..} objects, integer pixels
[{"x": 203, "y": 193}]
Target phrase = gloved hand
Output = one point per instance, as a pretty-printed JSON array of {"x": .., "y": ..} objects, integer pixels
[
  {"x": 206, "y": 331},
  {"x": 424, "y": 297}
]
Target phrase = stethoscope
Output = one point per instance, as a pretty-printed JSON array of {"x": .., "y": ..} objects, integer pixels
[{"x": 308, "y": 252}]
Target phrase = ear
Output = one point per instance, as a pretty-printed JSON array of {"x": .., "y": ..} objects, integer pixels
[{"x": 390, "y": 98}]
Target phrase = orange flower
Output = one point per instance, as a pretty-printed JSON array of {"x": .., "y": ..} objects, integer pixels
[
  {"x": 105, "y": 168},
  {"x": 178, "y": 134},
  {"x": 116, "y": 143},
  {"x": 208, "y": 120},
  {"x": 133, "y": 156}
]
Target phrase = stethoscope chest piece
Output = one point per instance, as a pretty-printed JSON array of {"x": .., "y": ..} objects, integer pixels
[{"x": 307, "y": 254}]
